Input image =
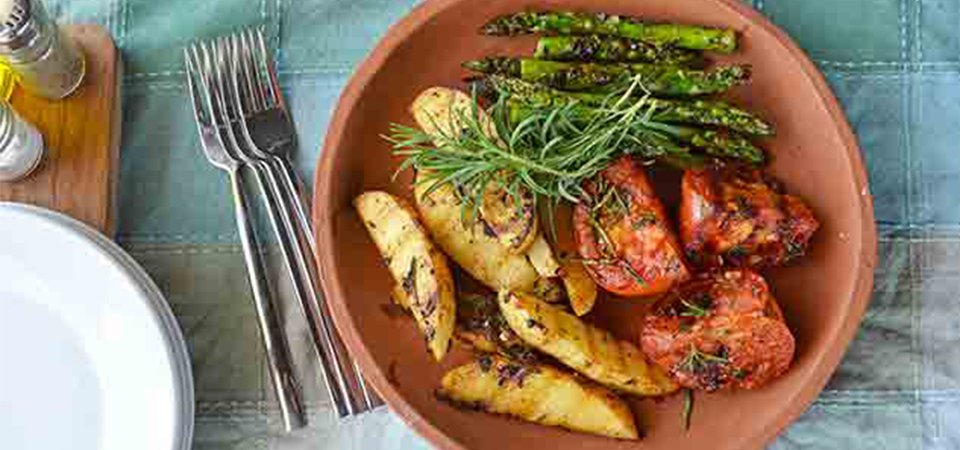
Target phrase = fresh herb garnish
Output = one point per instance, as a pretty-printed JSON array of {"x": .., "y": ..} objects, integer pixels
[
  {"x": 644, "y": 220},
  {"x": 696, "y": 362},
  {"x": 633, "y": 273},
  {"x": 550, "y": 152},
  {"x": 737, "y": 251},
  {"x": 692, "y": 310},
  {"x": 606, "y": 244},
  {"x": 687, "y": 408},
  {"x": 596, "y": 261}
]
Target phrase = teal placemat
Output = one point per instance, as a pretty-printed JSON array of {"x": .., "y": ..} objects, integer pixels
[{"x": 894, "y": 64}]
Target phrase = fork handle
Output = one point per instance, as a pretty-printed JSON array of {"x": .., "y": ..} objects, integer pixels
[
  {"x": 304, "y": 287},
  {"x": 365, "y": 398},
  {"x": 289, "y": 178},
  {"x": 274, "y": 341}
]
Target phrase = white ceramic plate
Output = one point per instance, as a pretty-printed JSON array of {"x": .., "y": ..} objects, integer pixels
[{"x": 90, "y": 354}]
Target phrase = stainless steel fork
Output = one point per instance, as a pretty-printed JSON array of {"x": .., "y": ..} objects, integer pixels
[
  {"x": 271, "y": 136},
  {"x": 337, "y": 376},
  {"x": 200, "y": 80}
]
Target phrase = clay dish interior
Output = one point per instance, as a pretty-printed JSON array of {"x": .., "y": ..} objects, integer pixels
[{"x": 814, "y": 153}]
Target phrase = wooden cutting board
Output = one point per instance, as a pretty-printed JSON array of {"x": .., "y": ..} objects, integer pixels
[{"x": 82, "y": 135}]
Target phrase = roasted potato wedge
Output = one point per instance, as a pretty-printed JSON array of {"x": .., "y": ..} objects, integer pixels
[
  {"x": 511, "y": 219},
  {"x": 589, "y": 350},
  {"x": 438, "y": 110},
  {"x": 541, "y": 257},
  {"x": 415, "y": 263},
  {"x": 400, "y": 298},
  {"x": 540, "y": 394},
  {"x": 478, "y": 253},
  {"x": 480, "y": 326},
  {"x": 550, "y": 290},
  {"x": 581, "y": 289}
]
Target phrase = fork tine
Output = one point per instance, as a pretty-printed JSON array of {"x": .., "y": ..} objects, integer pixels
[
  {"x": 255, "y": 70},
  {"x": 223, "y": 76},
  {"x": 195, "y": 95},
  {"x": 241, "y": 102},
  {"x": 251, "y": 93},
  {"x": 226, "y": 113},
  {"x": 237, "y": 98},
  {"x": 273, "y": 85},
  {"x": 203, "y": 57},
  {"x": 207, "y": 75}
]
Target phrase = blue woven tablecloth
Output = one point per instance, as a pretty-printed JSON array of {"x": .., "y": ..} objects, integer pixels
[{"x": 894, "y": 64}]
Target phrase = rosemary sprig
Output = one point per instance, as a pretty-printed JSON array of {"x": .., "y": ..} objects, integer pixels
[
  {"x": 693, "y": 310},
  {"x": 633, "y": 273},
  {"x": 550, "y": 152},
  {"x": 696, "y": 361},
  {"x": 687, "y": 408}
]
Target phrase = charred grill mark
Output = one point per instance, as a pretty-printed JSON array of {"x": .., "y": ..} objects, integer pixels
[
  {"x": 534, "y": 324},
  {"x": 527, "y": 218},
  {"x": 430, "y": 306},
  {"x": 513, "y": 373},
  {"x": 485, "y": 362},
  {"x": 521, "y": 352},
  {"x": 409, "y": 283},
  {"x": 460, "y": 404},
  {"x": 488, "y": 230}
]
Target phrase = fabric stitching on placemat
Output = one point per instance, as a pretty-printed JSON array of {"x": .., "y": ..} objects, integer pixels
[
  {"x": 195, "y": 249},
  {"x": 125, "y": 10},
  {"x": 903, "y": 30},
  {"x": 910, "y": 111},
  {"x": 917, "y": 36},
  {"x": 279, "y": 33},
  {"x": 162, "y": 237}
]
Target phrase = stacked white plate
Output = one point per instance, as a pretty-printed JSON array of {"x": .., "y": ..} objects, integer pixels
[{"x": 91, "y": 356}]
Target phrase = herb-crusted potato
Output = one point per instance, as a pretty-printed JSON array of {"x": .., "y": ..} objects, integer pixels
[
  {"x": 416, "y": 265},
  {"x": 480, "y": 326},
  {"x": 540, "y": 394},
  {"x": 580, "y": 289},
  {"x": 589, "y": 350},
  {"x": 480, "y": 254},
  {"x": 511, "y": 219}
]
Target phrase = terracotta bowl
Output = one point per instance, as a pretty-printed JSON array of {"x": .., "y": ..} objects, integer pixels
[{"x": 814, "y": 153}]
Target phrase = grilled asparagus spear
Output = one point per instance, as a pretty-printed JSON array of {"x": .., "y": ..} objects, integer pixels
[
  {"x": 688, "y": 111},
  {"x": 612, "y": 49},
  {"x": 715, "y": 113},
  {"x": 567, "y": 22},
  {"x": 716, "y": 143},
  {"x": 657, "y": 79}
]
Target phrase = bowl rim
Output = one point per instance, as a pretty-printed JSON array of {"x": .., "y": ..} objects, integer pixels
[{"x": 825, "y": 362}]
